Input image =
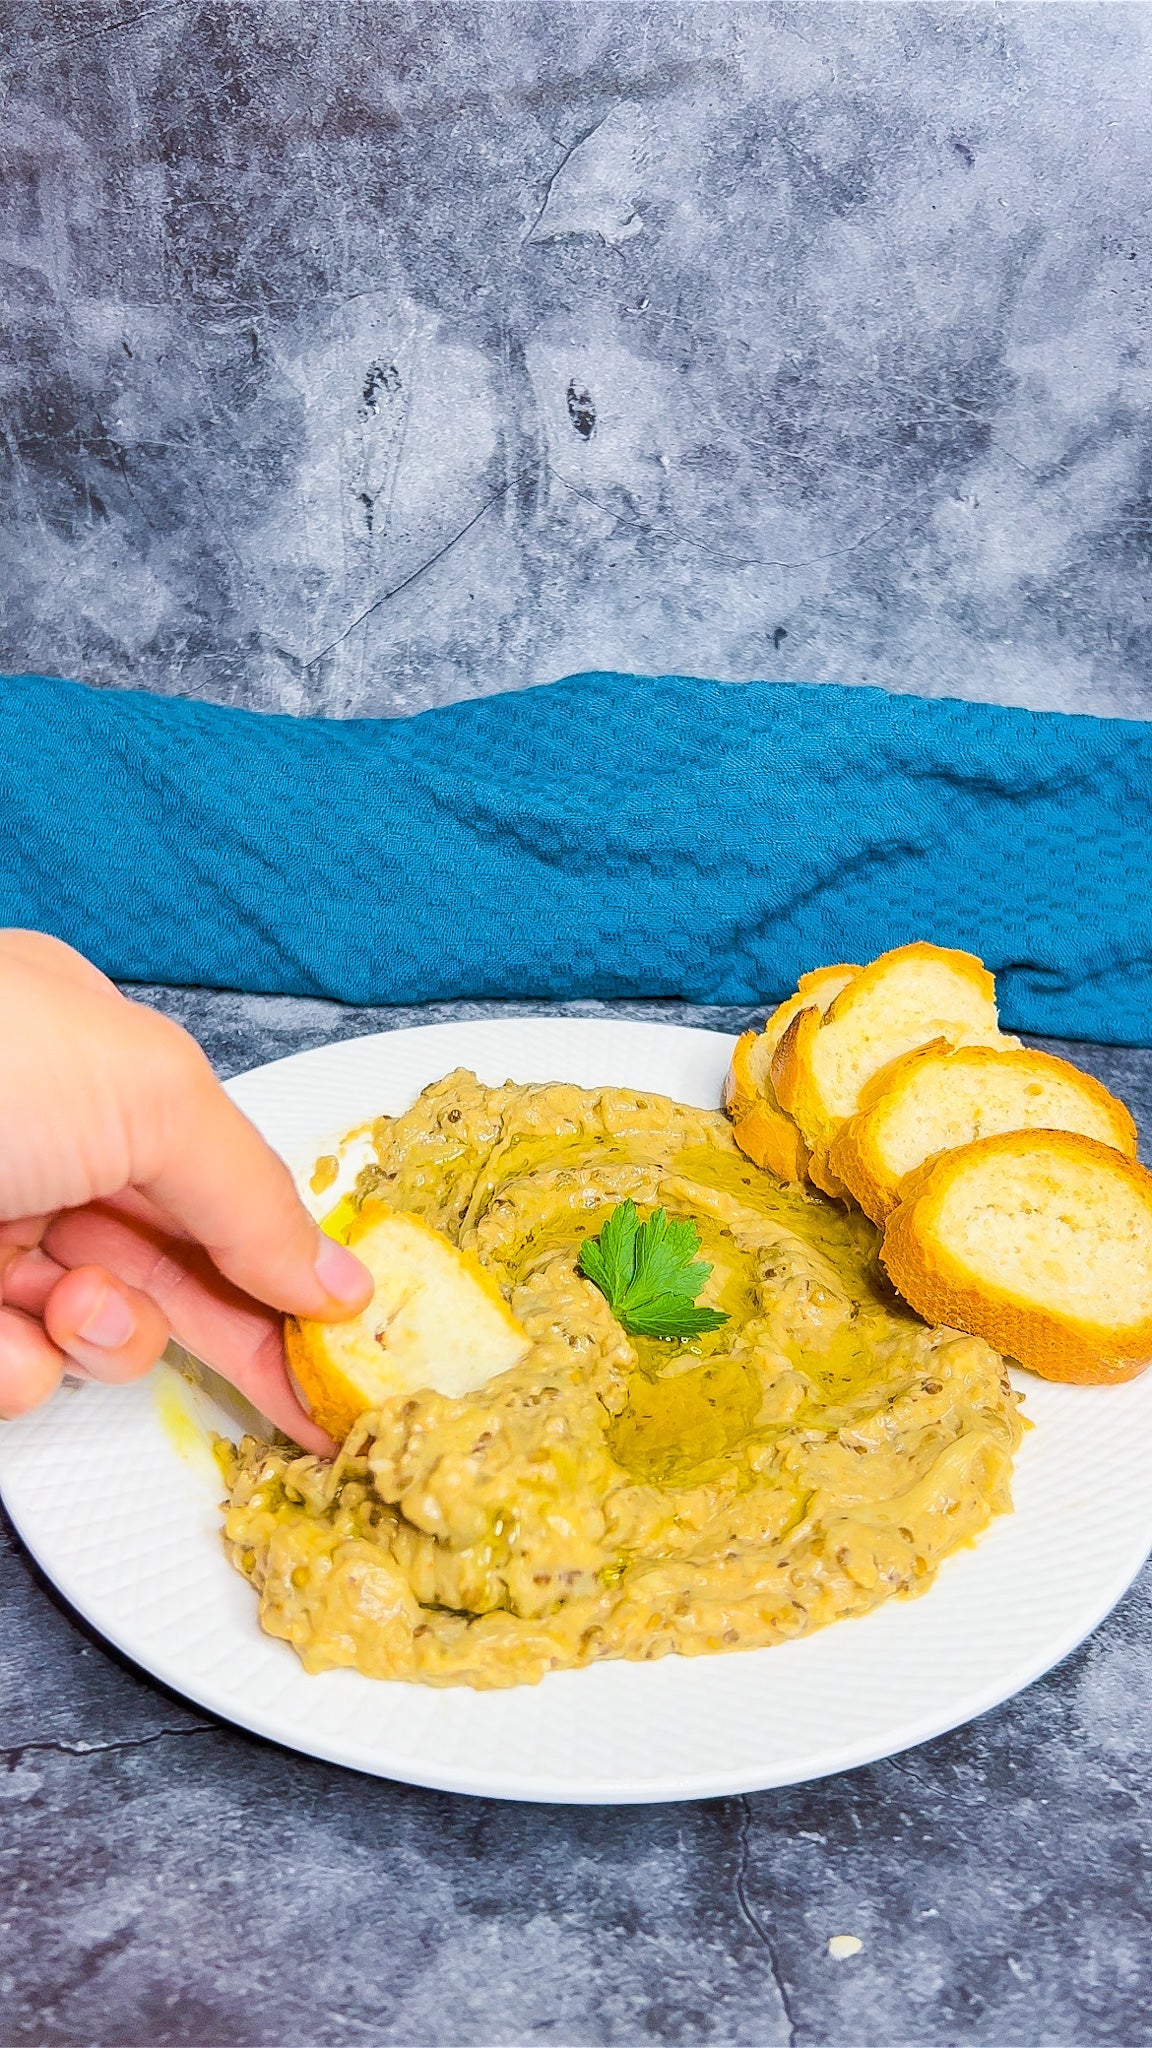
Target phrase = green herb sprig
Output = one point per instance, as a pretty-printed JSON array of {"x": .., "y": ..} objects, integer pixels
[{"x": 649, "y": 1274}]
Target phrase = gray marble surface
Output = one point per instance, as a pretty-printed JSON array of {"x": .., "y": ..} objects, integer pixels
[
  {"x": 165, "y": 1879},
  {"x": 362, "y": 355}
]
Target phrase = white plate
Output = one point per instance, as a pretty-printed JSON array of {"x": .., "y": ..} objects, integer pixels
[{"x": 116, "y": 1497}]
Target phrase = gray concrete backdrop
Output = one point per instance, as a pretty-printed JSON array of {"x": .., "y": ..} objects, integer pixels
[{"x": 358, "y": 356}]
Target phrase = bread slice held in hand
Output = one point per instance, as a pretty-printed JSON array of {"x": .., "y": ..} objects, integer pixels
[
  {"x": 937, "y": 1097},
  {"x": 436, "y": 1319},
  {"x": 905, "y": 999},
  {"x": 1038, "y": 1241},
  {"x": 764, "y": 1131}
]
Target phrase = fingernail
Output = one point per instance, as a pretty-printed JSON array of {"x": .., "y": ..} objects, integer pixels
[
  {"x": 339, "y": 1272},
  {"x": 110, "y": 1324}
]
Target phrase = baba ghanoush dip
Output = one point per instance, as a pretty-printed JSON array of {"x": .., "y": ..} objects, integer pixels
[{"x": 616, "y": 1496}]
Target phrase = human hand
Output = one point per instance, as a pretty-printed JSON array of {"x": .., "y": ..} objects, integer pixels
[{"x": 137, "y": 1202}]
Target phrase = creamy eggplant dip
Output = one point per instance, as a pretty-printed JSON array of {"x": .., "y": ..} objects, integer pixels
[{"x": 614, "y": 1495}]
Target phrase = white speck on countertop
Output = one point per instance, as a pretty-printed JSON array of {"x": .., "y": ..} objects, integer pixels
[{"x": 842, "y": 1946}]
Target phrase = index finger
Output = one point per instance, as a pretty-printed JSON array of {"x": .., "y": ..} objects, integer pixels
[{"x": 197, "y": 1156}]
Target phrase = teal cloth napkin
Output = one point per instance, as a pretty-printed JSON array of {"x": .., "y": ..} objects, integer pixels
[{"x": 609, "y": 835}]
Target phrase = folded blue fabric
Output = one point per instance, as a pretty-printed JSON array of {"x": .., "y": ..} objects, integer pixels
[{"x": 605, "y": 836}]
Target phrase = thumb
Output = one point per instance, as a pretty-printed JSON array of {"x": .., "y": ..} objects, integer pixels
[{"x": 200, "y": 1159}]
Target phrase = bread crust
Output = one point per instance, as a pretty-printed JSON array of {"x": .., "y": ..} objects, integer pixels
[
  {"x": 945, "y": 1290},
  {"x": 822, "y": 1176},
  {"x": 968, "y": 965},
  {"x": 794, "y": 1075},
  {"x": 796, "y": 1091},
  {"x": 856, "y": 1155},
  {"x": 762, "y": 1129},
  {"x": 740, "y": 1093},
  {"x": 771, "y": 1140},
  {"x": 330, "y": 1398},
  {"x": 820, "y": 986}
]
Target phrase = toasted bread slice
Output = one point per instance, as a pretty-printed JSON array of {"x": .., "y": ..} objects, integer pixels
[
  {"x": 761, "y": 1128},
  {"x": 904, "y": 999},
  {"x": 750, "y": 1075},
  {"x": 770, "y": 1139},
  {"x": 1038, "y": 1241},
  {"x": 437, "y": 1319},
  {"x": 938, "y": 1097}
]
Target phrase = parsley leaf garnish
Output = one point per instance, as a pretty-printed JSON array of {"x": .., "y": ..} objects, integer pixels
[{"x": 649, "y": 1274}]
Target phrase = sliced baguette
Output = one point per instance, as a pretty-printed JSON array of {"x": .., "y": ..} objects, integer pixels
[
  {"x": 437, "y": 1319},
  {"x": 1038, "y": 1241},
  {"x": 939, "y": 1096},
  {"x": 761, "y": 1128},
  {"x": 904, "y": 999}
]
